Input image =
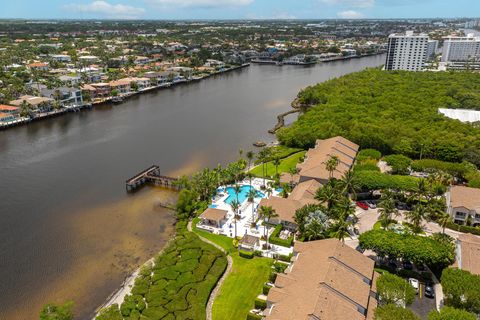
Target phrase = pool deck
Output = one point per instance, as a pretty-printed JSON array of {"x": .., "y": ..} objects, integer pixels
[{"x": 247, "y": 217}]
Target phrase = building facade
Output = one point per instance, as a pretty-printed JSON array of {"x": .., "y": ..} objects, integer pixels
[
  {"x": 406, "y": 51},
  {"x": 461, "y": 49}
]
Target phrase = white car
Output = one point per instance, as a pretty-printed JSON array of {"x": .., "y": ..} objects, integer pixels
[{"x": 415, "y": 284}]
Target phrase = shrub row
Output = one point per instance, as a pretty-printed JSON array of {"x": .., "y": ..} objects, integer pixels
[
  {"x": 266, "y": 289},
  {"x": 366, "y": 166},
  {"x": 245, "y": 254},
  {"x": 274, "y": 238},
  {"x": 399, "y": 163},
  {"x": 429, "y": 165},
  {"x": 280, "y": 267},
  {"x": 465, "y": 229},
  {"x": 252, "y": 316},
  {"x": 369, "y": 153},
  {"x": 260, "y": 304},
  {"x": 373, "y": 180},
  {"x": 284, "y": 258}
]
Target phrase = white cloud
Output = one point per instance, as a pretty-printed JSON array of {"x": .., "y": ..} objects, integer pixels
[
  {"x": 350, "y": 14},
  {"x": 105, "y": 9},
  {"x": 350, "y": 3},
  {"x": 273, "y": 16},
  {"x": 201, "y": 3}
]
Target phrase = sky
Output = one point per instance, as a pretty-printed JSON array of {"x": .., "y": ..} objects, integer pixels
[{"x": 237, "y": 9}]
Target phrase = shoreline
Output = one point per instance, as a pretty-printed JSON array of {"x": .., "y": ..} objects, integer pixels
[{"x": 109, "y": 100}]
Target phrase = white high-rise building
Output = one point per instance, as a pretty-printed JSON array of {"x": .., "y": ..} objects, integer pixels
[
  {"x": 406, "y": 51},
  {"x": 461, "y": 49},
  {"x": 432, "y": 49}
]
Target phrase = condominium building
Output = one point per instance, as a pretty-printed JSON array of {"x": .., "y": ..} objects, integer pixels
[
  {"x": 463, "y": 204},
  {"x": 432, "y": 49},
  {"x": 406, "y": 51},
  {"x": 461, "y": 48}
]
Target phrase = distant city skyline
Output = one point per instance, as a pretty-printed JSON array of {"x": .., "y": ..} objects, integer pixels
[{"x": 239, "y": 9}]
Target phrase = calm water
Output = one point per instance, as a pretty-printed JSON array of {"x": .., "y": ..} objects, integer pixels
[{"x": 68, "y": 230}]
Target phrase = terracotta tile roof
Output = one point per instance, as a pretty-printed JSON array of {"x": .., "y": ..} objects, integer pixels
[
  {"x": 305, "y": 190},
  {"x": 32, "y": 100},
  {"x": 4, "y": 107},
  {"x": 461, "y": 196},
  {"x": 470, "y": 253},
  {"x": 289, "y": 178},
  {"x": 328, "y": 280},
  {"x": 284, "y": 207},
  {"x": 315, "y": 159},
  {"x": 214, "y": 214}
]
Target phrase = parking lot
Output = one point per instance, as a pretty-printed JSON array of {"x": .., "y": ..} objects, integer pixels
[{"x": 422, "y": 305}]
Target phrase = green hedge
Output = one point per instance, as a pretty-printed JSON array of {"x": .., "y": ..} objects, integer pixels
[
  {"x": 429, "y": 165},
  {"x": 285, "y": 258},
  {"x": 266, "y": 289},
  {"x": 260, "y": 304},
  {"x": 465, "y": 229},
  {"x": 245, "y": 254},
  {"x": 369, "y": 153},
  {"x": 280, "y": 267},
  {"x": 399, "y": 163},
  {"x": 373, "y": 180},
  {"x": 252, "y": 316},
  {"x": 272, "y": 277},
  {"x": 274, "y": 239},
  {"x": 366, "y": 166}
]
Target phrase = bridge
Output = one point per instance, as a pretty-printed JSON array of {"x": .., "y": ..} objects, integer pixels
[{"x": 151, "y": 175}]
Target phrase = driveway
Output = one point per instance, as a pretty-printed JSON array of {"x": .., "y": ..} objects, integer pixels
[{"x": 422, "y": 305}]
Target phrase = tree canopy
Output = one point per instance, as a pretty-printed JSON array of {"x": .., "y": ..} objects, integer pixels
[
  {"x": 393, "y": 312},
  {"x": 57, "y": 312},
  {"x": 393, "y": 112},
  {"x": 449, "y": 313},
  {"x": 461, "y": 289},
  {"x": 394, "y": 290}
]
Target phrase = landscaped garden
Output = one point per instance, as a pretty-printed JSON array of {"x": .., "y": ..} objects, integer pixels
[
  {"x": 283, "y": 165},
  {"x": 178, "y": 285},
  {"x": 244, "y": 283}
]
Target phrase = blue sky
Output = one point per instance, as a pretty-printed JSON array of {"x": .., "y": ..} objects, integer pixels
[{"x": 237, "y": 9}]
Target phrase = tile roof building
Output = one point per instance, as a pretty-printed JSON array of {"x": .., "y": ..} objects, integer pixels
[
  {"x": 327, "y": 281},
  {"x": 462, "y": 203},
  {"x": 468, "y": 251}
]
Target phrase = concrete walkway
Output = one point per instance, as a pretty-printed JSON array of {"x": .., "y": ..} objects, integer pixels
[{"x": 215, "y": 290}]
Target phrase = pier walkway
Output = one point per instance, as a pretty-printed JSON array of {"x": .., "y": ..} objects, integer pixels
[{"x": 151, "y": 175}]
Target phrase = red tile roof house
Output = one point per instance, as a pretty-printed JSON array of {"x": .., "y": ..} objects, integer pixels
[
  {"x": 327, "y": 280},
  {"x": 9, "y": 109}
]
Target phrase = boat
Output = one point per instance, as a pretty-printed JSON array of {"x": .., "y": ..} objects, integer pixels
[{"x": 117, "y": 99}]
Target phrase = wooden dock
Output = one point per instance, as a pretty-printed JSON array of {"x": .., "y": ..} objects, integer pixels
[{"x": 151, "y": 175}]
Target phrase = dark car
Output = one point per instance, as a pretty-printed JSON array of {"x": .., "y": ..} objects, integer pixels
[
  {"x": 429, "y": 290},
  {"x": 420, "y": 267},
  {"x": 392, "y": 264},
  {"x": 407, "y": 265}
]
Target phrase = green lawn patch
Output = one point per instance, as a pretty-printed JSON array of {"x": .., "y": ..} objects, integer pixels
[
  {"x": 241, "y": 287},
  {"x": 285, "y": 165},
  {"x": 244, "y": 283}
]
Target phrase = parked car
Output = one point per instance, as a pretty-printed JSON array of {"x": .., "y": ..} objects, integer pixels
[
  {"x": 415, "y": 284},
  {"x": 429, "y": 290},
  {"x": 407, "y": 265},
  {"x": 420, "y": 267},
  {"x": 392, "y": 264},
  {"x": 362, "y": 205},
  {"x": 371, "y": 204}
]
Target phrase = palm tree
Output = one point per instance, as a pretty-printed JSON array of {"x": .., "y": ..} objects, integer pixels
[
  {"x": 416, "y": 216},
  {"x": 340, "y": 229},
  {"x": 263, "y": 157},
  {"x": 443, "y": 220},
  {"x": 327, "y": 194},
  {"x": 331, "y": 165},
  {"x": 349, "y": 183},
  {"x": 249, "y": 158},
  {"x": 252, "y": 193},
  {"x": 237, "y": 189},
  {"x": 276, "y": 163},
  {"x": 267, "y": 213},
  {"x": 387, "y": 208},
  {"x": 235, "y": 206},
  {"x": 314, "y": 230},
  {"x": 249, "y": 176}
]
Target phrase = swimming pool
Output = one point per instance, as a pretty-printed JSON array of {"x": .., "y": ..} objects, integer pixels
[{"x": 242, "y": 196}]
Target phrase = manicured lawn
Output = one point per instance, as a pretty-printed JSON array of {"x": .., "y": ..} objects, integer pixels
[
  {"x": 285, "y": 165},
  {"x": 242, "y": 285}
]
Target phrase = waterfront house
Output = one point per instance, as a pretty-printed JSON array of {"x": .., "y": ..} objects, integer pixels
[
  {"x": 326, "y": 280},
  {"x": 97, "y": 90},
  {"x": 69, "y": 80},
  {"x": 66, "y": 97},
  {"x": 6, "y": 117},
  {"x": 9, "y": 109},
  {"x": 41, "y": 66},
  {"x": 157, "y": 78},
  {"x": 122, "y": 86},
  {"x": 37, "y": 104},
  {"x": 463, "y": 204}
]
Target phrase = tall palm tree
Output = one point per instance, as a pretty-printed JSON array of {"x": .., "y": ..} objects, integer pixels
[
  {"x": 443, "y": 220},
  {"x": 314, "y": 230},
  {"x": 249, "y": 158},
  {"x": 252, "y": 193},
  {"x": 387, "y": 208},
  {"x": 416, "y": 216},
  {"x": 349, "y": 183},
  {"x": 331, "y": 165},
  {"x": 249, "y": 176},
  {"x": 235, "y": 206},
  {"x": 237, "y": 189},
  {"x": 340, "y": 229},
  {"x": 267, "y": 213},
  {"x": 276, "y": 163},
  {"x": 327, "y": 194}
]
